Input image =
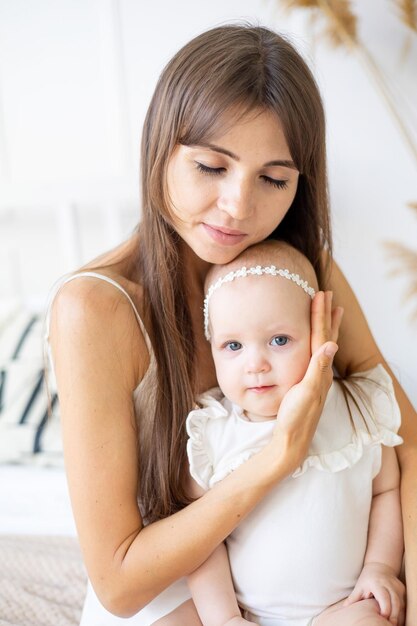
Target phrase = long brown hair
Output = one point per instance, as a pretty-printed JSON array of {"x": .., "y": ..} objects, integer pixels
[{"x": 217, "y": 77}]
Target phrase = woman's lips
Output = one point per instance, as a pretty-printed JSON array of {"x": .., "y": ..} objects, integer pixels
[{"x": 223, "y": 235}]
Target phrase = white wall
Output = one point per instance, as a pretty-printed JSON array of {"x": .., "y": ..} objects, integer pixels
[{"x": 75, "y": 80}]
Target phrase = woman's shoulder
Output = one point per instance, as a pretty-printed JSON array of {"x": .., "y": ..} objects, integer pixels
[
  {"x": 107, "y": 286},
  {"x": 92, "y": 316},
  {"x": 92, "y": 296},
  {"x": 101, "y": 309},
  {"x": 98, "y": 286}
]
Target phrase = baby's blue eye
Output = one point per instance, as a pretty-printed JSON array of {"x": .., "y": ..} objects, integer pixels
[
  {"x": 233, "y": 345},
  {"x": 279, "y": 340}
]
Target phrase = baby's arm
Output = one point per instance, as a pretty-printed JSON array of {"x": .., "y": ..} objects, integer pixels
[
  {"x": 383, "y": 557},
  {"x": 211, "y": 585},
  {"x": 385, "y": 537},
  {"x": 212, "y": 589}
]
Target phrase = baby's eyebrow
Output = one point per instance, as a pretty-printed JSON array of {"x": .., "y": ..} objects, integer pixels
[{"x": 235, "y": 157}]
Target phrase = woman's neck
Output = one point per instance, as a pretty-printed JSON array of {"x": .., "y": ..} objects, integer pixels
[{"x": 195, "y": 271}]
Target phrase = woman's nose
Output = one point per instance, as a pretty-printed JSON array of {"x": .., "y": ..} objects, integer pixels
[{"x": 237, "y": 199}]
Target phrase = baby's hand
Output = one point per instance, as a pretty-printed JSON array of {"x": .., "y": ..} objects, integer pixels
[
  {"x": 239, "y": 621},
  {"x": 379, "y": 581}
]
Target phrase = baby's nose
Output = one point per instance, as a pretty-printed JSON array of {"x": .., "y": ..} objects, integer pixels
[{"x": 257, "y": 363}]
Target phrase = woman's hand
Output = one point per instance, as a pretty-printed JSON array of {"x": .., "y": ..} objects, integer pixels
[
  {"x": 302, "y": 405},
  {"x": 239, "y": 621}
]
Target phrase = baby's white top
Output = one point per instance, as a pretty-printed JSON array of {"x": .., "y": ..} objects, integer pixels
[{"x": 302, "y": 548}]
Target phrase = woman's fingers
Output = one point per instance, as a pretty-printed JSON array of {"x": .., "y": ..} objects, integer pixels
[
  {"x": 337, "y": 316},
  {"x": 318, "y": 321},
  {"x": 319, "y": 374},
  {"x": 328, "y": 301},
  {"x": 302, "y": 405},
  {"x": 325, "y": 321}
]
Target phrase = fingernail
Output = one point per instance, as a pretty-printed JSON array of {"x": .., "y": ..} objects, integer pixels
[{"x": 331, "y": 350}]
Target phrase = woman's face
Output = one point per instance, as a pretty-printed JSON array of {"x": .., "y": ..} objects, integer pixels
[{"x": 234, "y": 190}]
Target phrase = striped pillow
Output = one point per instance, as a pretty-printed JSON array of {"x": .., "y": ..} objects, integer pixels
[{"x": 27, "y": 433}]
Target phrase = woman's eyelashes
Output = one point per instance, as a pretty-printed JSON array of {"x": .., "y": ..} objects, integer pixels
[
  {"x": 280, "y": 184},
  {"x": 216, "y": 171},
  {"x": 211, "y": 171}
]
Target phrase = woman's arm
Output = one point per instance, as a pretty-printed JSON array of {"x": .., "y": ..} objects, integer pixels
[
  {"x": 358, "y": 352},
  {"x": 99, "y": 357}
]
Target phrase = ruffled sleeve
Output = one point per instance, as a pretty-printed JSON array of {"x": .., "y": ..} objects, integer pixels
[
  {"x": 373, "y": 427},
  {"x": 199, "y": 449}
]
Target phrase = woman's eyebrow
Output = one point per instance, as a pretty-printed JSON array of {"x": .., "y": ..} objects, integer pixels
[{"x": 211, "y": 146}]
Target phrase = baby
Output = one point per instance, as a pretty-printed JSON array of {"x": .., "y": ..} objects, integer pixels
[{"x": 325, "y": 545}]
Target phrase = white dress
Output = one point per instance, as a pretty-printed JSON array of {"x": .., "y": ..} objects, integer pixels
[{"x": 302, "y": 548}]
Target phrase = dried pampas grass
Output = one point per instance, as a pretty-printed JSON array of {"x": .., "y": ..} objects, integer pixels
[
  {"x": 405, "y": 261},
  {"x": 405, "y": 264},
  {"x": 341, "y": 28},
  {"x": 407, "y": 12},
  {"x": 341, "y": 22}
]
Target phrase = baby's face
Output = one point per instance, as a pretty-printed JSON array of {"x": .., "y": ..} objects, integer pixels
[{"x": 260, "y": 338}]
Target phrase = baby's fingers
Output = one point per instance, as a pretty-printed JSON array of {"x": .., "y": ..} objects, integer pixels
[
  {"x": 355, "y": 596},
  {"x": 397, "y": 608},
  {"x": 383, "y": 597}
]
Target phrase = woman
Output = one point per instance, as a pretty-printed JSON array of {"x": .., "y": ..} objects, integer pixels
[{"x": 233, "y": 151}]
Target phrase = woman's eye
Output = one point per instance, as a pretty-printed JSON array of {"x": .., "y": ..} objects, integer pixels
[
  {"x": 233, "y": 346},
  {"x": 279, "y": 340},
  {"x": 280, "y": 184},
  {"x": 211, "y": 171}
]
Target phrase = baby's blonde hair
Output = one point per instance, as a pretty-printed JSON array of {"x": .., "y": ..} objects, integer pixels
[{"x": 269, "y": 252}]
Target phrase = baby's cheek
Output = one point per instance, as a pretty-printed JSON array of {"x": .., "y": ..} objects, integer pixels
[
  {"x": 226, "y": 380},
  {"x": 298, "y": 366}
]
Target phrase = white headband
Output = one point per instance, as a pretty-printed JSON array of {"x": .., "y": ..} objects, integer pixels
[{"x": 252, "y": 271}]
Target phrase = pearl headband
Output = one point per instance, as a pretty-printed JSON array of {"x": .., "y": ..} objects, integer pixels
[{"x": 252, "y": 271}]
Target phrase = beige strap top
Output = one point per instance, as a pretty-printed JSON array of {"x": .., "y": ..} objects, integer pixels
[{"x": 151, "y": 371}]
